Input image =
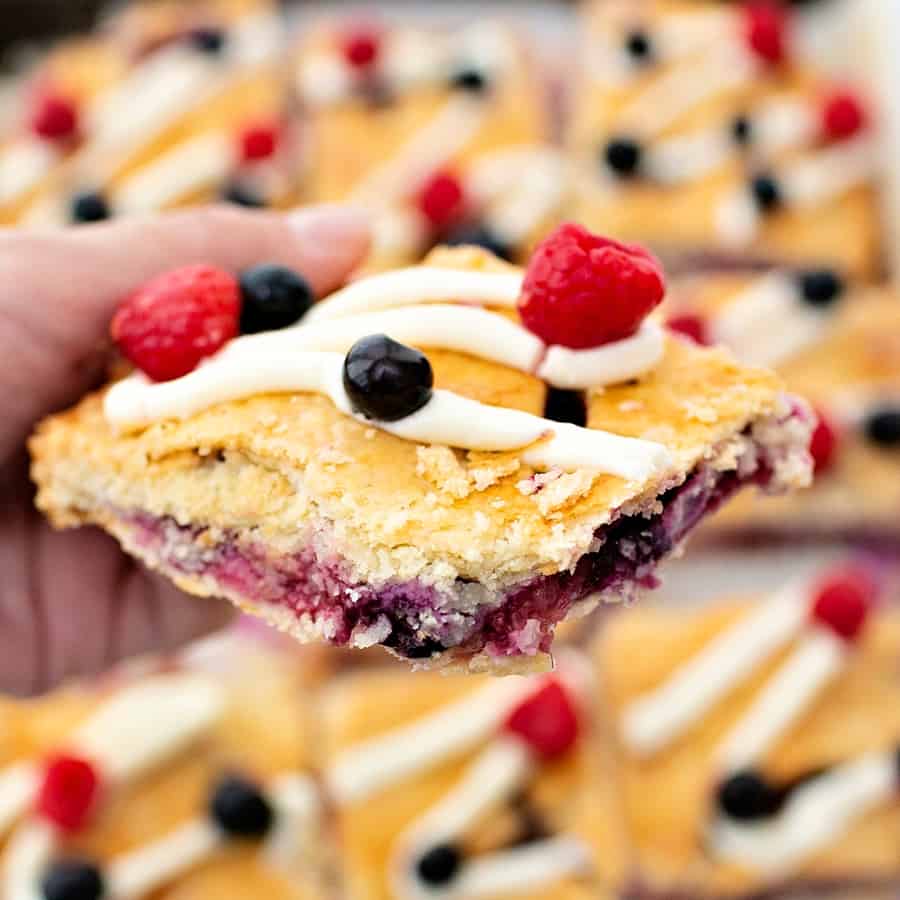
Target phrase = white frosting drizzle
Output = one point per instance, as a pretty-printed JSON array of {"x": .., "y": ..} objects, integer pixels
[
  {"x": 23, "y": 163},
  {"x": 662, "y": 715},
  {"x": 144, "y": 870},
  {"x": 450, "y": 731},
  {"x": 18, "y": 785},
  {"x": 806, "y": 184},
  {"x": 420, "y": 284},
  {"x": 745, "y": 325},
  {"x": 609, "y": 364},
  {"x": 29, "y": 850},
  {"x": 281, "y": 362},
  {"x": 675, "y": 93},
  {"x": 816, "y": 815},
  {"x": 193, "y": 165},
  {"x": 815, "y": 661},
  {"x": 429, "y": 149},
  {"x": 519, "y": 188},
  {"x": 512, "y": 872}
]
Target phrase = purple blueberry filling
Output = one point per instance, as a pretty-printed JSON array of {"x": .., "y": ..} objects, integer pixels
[{"x": 523, "y": 620}]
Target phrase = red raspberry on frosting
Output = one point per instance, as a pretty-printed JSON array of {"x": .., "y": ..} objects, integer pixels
[
  {"x": 257, "y": 141},
  {"x": 582, "y": 290},
  {"x": 823, "y": 445},
  {"x": 175, "y": 320},
  {"x": 68, "y": 792},
  {"x": 766, "y": 30},
  {"x": 691, "y": 326},
  {"x": 361, "y": 45}
]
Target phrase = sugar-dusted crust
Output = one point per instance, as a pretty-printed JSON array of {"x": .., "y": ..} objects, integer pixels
[
  {"x": 573, "y": 796},
  {"x": 854, "y": 368},
  {"x": 288, "y": 475},
  {"x": 265, "y": 731},
  {"x": 666, "y": 798},
  {"x": 679, "y": 220}
]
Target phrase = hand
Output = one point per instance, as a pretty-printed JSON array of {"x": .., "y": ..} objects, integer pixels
[{"x": 71, "y": 602}]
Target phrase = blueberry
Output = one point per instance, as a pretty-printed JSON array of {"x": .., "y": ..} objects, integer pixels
[
  {"x": 72, "y": 879},
  {"x": 820, "y": 287},
  {"x": 272, "y": 297},
  {"x": 639, "y": 46},
  {"x": 208, "y": 40},
  {"x": 746, "y": 796},
  {"x": 424, "y": 650},
  {"x": 766, "y": 192},
  {"x": 623, "y": 156},
  {"x": 883, "y": 428},
  {"x": 439, "y": 864},
  {"x": 239, "y": 808},
  {"x": 479, "y": 236},
  {"x": 240, "y": 195},
  {"x": 89, "y": 206},
  {"x": 565, "y": 406},
  {"x": 742, "y": 130},
  {"x": 469, "y": 78},
  {"x": 386, "y": 380}
]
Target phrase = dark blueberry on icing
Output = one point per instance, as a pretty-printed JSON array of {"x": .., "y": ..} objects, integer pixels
[
  {"x": 208, "y": 40},
  {"x": 883, "y": 428},
  {"x": 241, "y": 195},
  {"x": 897, "y": 764},
  {"x": 766, "y": 192},
  {"x": 623, "y": 156},
  {"x": 820, "y": 287},
  {"x": 565, "y": 406},
  {"x": 742, "y": 130},
  {"x": 272, "y": 297},
  {"x": 639, "y": 46},
  {"x": 746, "y": 796},
  {"x": 439, "y": 865},
  {"x": 89, "y": 206},
  {"x": 470, "y": 78},
  {"x": 72, "y": 879},
  {"x": 479, "y": 236},
  {"x": 240, "y": 809},
  {"x": 386, "y": 380}
]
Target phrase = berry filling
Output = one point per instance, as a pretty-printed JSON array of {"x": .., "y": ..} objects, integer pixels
[{"x": 314, "y": 593}]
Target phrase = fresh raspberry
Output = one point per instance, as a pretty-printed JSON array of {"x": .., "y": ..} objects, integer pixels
[
  {"x": 823, "y": 445},
  {"x": 167, "y": 326},
  {"x": 842, "y": 601},
  {"x": 546, "y": 720},
  {"x": 361, "y": 46},
  {"x": 582, "y": 290},
  {"x": 68, "y": 792},
  {"x": 690, "y": 326},
  {"x": 55, "y": 117},
  {"x": 843, "y": 115},
  {"x": 258, "y": 141},
  {"x": 441, "y": 199},
  {"x": 766, "y": 30}
]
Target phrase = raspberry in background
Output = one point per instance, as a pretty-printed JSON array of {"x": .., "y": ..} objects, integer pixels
[
  {"x": 442, "y": 200},
  {"x": 823, "y": 445},
  {"x": 68, "y": 792},
  {"x": 258, "y": 141},
  {"x": 582, "y": 290},
  {"x": 360, "y": 45},
  {"x": 843, "y": 599},
  {"x": 177, "y": 319},
  {"x": 766, "y": 25},
  {"x": 843, "y": 115},
  {"x": 546, "y": 720},
  {"x": 55, "y": 116},
  {"x": 691, "y": 326}
]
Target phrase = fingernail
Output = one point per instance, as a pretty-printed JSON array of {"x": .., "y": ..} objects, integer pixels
[{"x": 330, "y": 221}]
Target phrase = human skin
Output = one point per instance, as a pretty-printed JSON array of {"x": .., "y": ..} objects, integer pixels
[{"x": 71, "y": 602}]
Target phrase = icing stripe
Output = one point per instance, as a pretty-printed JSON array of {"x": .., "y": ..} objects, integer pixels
[
  {"x": 28, "y": 852},
  {"x": 454, "y": 729},
  {"x": 784, "y": 699},
  {"x": 23, "y": 163},
  {"x": 662, "y": 715},
  {"x": 18, "y": 785},
  {"x": 447, "y": 418},
  {"x": 816, "y": 815}
]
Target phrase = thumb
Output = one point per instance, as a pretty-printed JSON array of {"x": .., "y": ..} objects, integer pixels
[{"x": 59, "y": 289}]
